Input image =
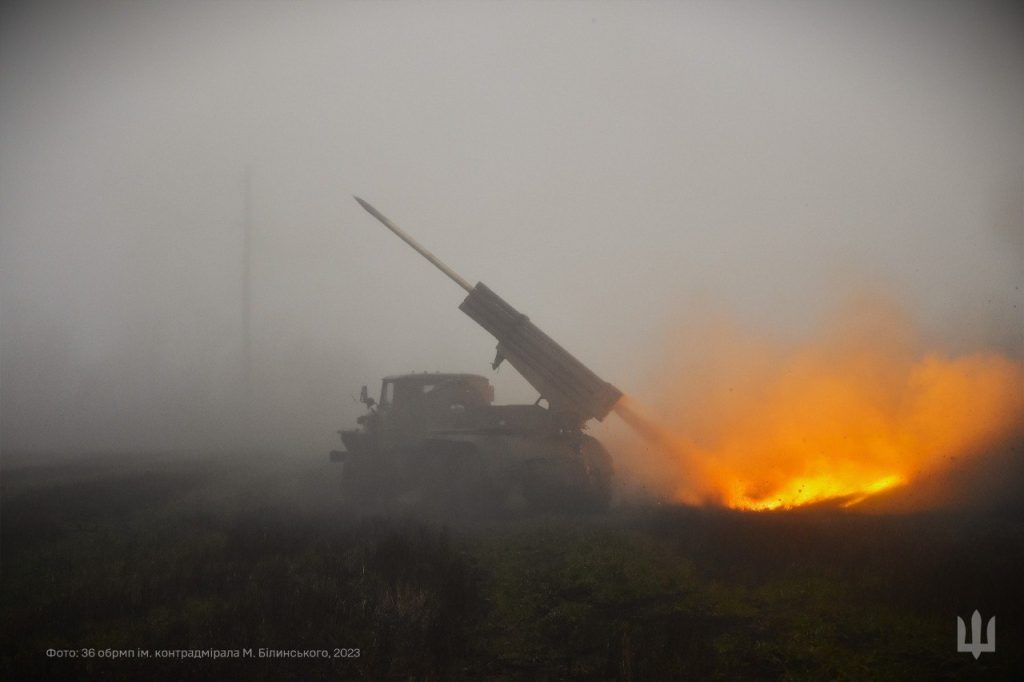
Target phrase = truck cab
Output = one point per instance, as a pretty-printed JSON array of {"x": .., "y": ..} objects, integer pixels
[
  {"x": 412, "y": 406},
  {"x": 415, "y": 405}
]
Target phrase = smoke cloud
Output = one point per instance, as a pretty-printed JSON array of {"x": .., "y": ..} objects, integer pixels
[{"x": 862, "y": 406}]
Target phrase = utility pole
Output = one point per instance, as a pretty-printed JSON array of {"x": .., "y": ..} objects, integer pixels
[{"x": 247, "y": 281}]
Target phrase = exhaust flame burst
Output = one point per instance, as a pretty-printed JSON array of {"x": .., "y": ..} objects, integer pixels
[{"x": 861, "y": 410}]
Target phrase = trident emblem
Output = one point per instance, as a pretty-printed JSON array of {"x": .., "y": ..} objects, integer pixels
[{"x": 975, "y": 646}]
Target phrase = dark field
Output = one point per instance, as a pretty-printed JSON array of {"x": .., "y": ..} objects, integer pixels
[{"x": 192, "y": 552}]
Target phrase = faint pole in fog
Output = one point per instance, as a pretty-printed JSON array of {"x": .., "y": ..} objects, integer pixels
[
  {"x": 246, "y": 271},
  {"x": 245, "y": 404}
]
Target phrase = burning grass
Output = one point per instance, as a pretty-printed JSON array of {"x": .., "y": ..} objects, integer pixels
[{"x": 862, "y": 408}]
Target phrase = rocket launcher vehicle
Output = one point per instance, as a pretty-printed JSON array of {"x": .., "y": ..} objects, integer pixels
[{"x": 574, "y": 393}]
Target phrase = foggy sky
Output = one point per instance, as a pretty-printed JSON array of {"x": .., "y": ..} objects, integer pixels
[{"x": 605, "y": 167}]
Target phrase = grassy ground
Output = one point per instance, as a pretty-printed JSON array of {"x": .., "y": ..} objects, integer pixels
[{"x": 190, "y": 552}]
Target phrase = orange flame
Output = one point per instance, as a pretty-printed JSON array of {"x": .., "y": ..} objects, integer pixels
[{"x": 755, "y": 425}]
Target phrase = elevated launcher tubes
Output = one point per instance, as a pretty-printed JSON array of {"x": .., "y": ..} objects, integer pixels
[{"x": 573, "y": 392}]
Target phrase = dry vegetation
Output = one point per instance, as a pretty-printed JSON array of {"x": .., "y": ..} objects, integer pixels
[{"x": 191, "y": 552}]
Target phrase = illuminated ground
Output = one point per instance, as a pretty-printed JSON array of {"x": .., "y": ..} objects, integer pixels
[{"x": 225, "y": 553}]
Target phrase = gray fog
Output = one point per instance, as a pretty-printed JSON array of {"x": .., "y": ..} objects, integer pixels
[{"x": 605, "y": 167}]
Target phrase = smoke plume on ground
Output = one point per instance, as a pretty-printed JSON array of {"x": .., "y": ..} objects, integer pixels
[{"x": 863, "y": 405}]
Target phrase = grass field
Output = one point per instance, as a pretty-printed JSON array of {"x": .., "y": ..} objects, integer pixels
[{"x": 190, "y": 552}]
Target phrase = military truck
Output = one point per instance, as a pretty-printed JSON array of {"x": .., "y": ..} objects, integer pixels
[{"x": 439, "y": 439}]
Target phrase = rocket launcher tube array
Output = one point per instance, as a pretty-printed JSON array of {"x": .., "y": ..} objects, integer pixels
[
  {"x": 568, "y": 385},
  {"x": 570, "y": 388}
]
